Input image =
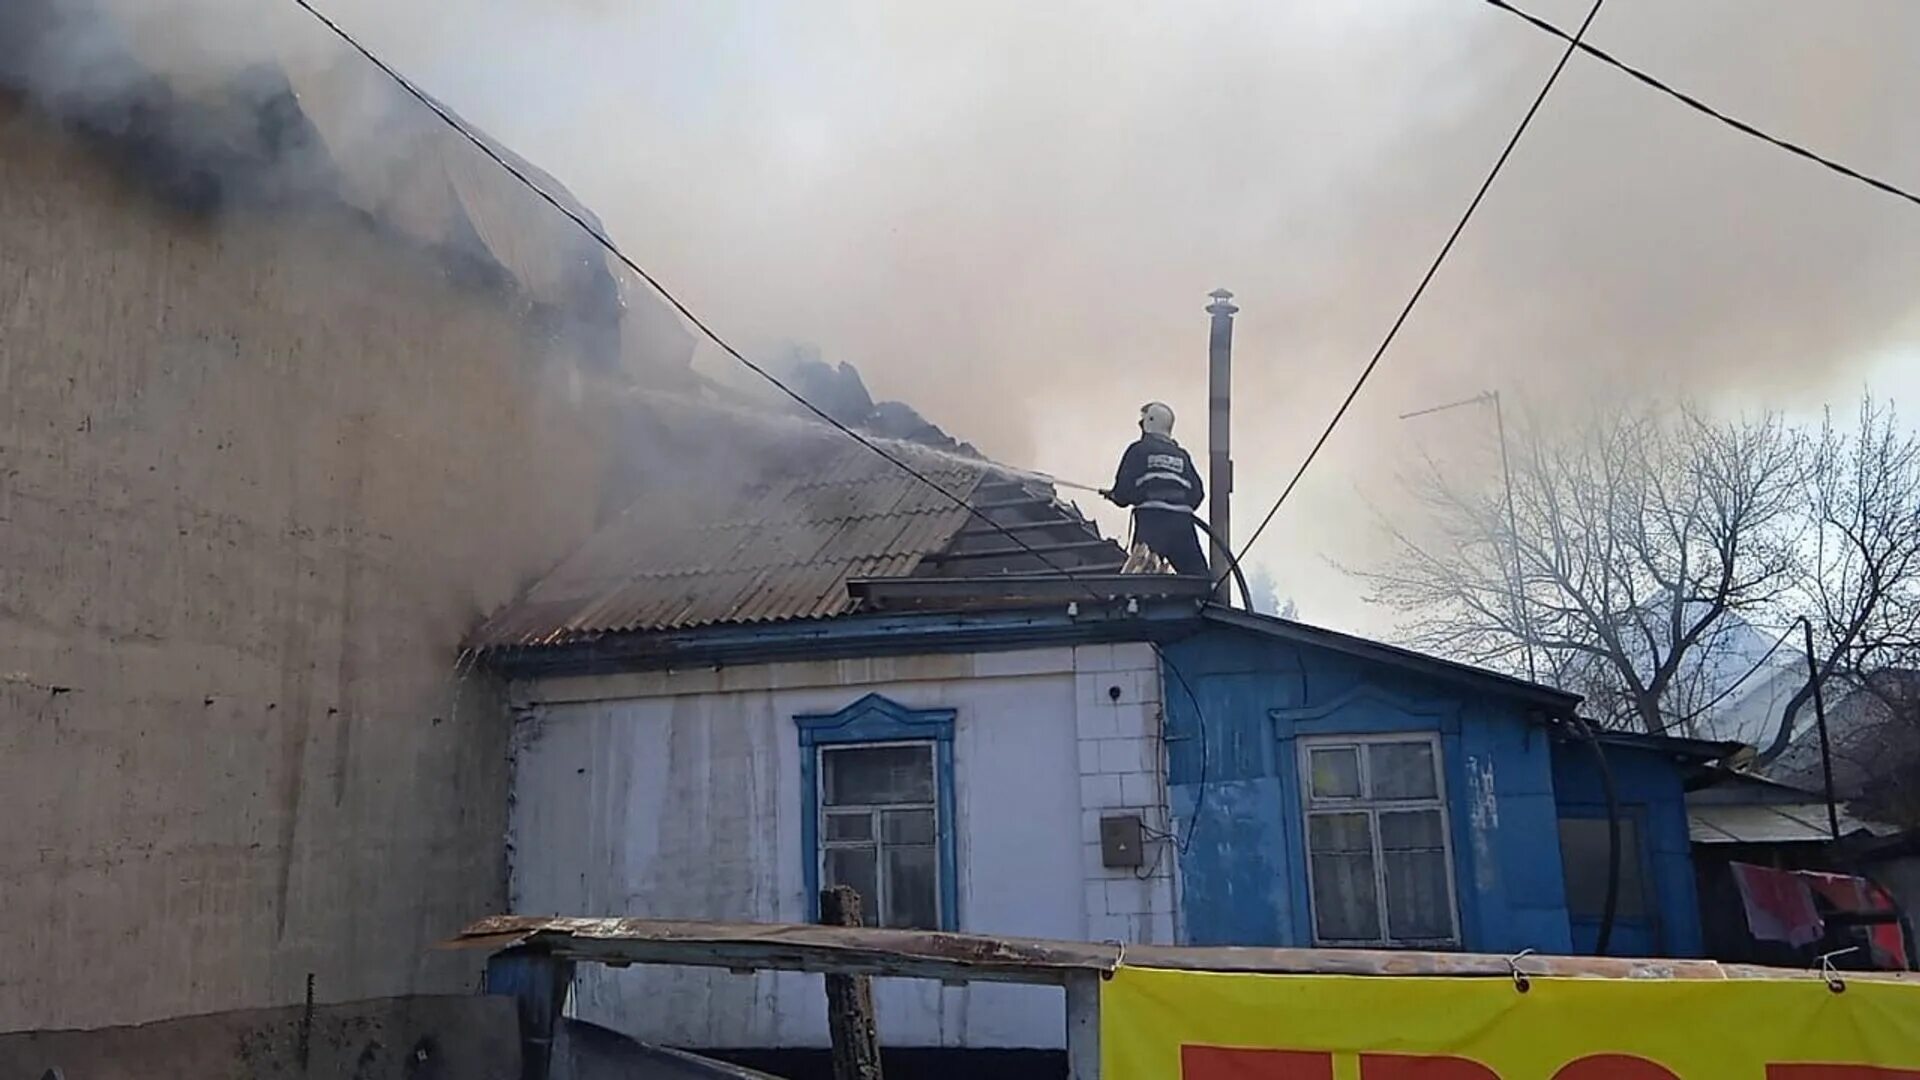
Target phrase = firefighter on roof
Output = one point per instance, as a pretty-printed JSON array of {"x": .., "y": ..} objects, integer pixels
[{"x": 1157, "y": 479}]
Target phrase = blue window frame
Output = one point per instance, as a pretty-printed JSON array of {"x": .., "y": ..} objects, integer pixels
[{"x": 876, "y": 782}]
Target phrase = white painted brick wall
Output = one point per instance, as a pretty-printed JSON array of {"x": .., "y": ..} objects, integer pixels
[{"x": 1117, "y": 718}]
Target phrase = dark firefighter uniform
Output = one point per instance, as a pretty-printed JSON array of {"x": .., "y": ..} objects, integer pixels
[{"x": 1157, "y": 479}]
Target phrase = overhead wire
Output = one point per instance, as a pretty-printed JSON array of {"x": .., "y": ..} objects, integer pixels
[
  {"x": 1700, "y": 106},
  {"x": 1425, "y": 280},
  {"x": 613, "y": 249},
  {"x": 1748, "y": 674}
]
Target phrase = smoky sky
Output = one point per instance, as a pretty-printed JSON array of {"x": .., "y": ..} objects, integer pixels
[{"x": 1010, "y": 214}]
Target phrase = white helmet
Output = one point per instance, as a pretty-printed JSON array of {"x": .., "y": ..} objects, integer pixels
[{"x": 1156, "y": 419}]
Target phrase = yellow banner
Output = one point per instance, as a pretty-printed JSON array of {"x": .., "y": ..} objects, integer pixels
[{"x": 1179, "y": 1025}]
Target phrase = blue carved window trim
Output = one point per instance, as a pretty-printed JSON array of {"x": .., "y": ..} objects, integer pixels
[{"x": 877, "y": 719}]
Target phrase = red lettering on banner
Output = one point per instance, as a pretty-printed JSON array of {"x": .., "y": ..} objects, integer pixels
[
  {"x": 1422, "y": 1067},
  {"x": 1614, "y": 1067},
  {"x": 1839, "y": 1072},
  {"x": 1237, "y": 1063}
]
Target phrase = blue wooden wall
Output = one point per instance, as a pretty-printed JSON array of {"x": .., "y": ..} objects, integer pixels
[
  {"x": 1650, "y": 789},
  {"x": 1243, "y": 874}
]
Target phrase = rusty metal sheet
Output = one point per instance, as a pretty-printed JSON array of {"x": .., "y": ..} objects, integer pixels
[
  {"x": 783, "y": 947},
  {"x": 926, "y": 954}
]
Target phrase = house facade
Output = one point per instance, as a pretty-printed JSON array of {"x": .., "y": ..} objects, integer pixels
[
  {"x": 1100, "y": 757},
  {"x": 1344, "y": 793}
]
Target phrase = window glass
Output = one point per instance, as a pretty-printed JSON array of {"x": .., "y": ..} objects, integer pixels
[
  {"x": 868, "y": 775},
  {"x": 912, "y": 887},
  {"x": 1336, "y": 772},
  {"x": 1414, "y": 855},
  {"x": 1402, "y": 770},
  {"x": 1583, "y": 858},
  {"x": 854, "y": 866},
  {"x": 857, "y": 825},
  {"x": 1344, "y": 900},
  {"x": 907, "y": 826}
]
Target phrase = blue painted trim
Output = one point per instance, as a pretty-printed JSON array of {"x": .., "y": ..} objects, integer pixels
[
  {"x": 846, "y": 636},
  {"x": 1405, "y": 714},
  {"x": 1557, "y": 702},
  {"x": 874, "y": 719}
]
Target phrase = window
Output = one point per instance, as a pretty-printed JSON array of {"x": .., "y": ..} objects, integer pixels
[
  {"x": 1379, "y": 869},
  {"x": 878, "y": 825},
  {"x": 1584, "y": 846},
  {"x": 877, "y": 779}
]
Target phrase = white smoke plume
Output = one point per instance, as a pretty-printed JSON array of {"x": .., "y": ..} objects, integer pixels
[{"x": 1008, "y": 215}]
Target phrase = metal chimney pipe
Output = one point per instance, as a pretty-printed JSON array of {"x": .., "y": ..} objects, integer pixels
[{"x": 1219, "y": 439}]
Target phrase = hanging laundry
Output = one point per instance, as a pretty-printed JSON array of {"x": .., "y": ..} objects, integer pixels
[
  {"x": 1779, "y": 905},
  {"x": 1856, "y": 895}
]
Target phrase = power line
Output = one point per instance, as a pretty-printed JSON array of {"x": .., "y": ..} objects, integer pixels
[
  {"x": 1700, "y": 106},
  {"x": 1420, "y": 290},
  {"x": 1741, "y": 681},
  {"x": 613, "y": 249}
]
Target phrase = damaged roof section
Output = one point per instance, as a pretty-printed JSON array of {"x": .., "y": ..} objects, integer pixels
[{"x": 817, "y": 512}]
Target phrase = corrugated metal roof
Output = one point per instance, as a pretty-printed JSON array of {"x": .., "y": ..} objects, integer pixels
[
  {"x": 1792, "y": 823},
  {"x": 783, "y": 547}
]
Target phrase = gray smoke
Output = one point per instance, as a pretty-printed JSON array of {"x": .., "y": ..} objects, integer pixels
[{"x": 1008, "y": 215}]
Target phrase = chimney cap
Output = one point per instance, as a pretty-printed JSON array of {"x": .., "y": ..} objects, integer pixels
[{"x": 1222, "y": 303}]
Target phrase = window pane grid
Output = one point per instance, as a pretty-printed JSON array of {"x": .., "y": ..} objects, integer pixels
[
  {"x": 1378, "y": 857},
  {"x": 886, "y": 845}
]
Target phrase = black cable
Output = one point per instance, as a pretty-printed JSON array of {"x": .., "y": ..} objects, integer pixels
[
  {"x": 1394, "y": 331},
  {"x": 1700, "y": 106},
  {"x": 1233, "y": 564},
  {"x": 613, "y": 249},
  {"x": 1737, "y": 683}
]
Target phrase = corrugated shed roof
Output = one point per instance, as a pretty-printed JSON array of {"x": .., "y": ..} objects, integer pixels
[
  {"x": 1794, "y": 823},
  {"x": 783, "y": 547}
]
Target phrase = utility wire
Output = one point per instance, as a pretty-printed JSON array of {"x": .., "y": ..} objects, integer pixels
[
  {"x": 1419, "y": 290},
  {"x": 613, "y": 249},
  {"x": 1741, "y": 681},
  {"x": 1700, "y": 106}
]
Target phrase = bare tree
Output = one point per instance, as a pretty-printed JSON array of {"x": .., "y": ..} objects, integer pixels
[
  {"x": 1636, "y": 542},
  {"x": 1859, "y": 579}
]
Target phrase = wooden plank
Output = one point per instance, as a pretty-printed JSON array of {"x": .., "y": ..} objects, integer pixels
[
  {"x": 977, "y": 958},
  {"x": 850, "y": 1023},
  {"x": 778, "y": 947}
]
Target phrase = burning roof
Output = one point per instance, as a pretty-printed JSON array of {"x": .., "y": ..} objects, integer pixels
[{"x": 804, "y": 512}]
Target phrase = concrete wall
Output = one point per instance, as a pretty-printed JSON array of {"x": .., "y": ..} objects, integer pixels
[
  {"x": 677, "y": 795},
  {"x": 419, "y": 1038},
  {"x": 259, "y": 474}
]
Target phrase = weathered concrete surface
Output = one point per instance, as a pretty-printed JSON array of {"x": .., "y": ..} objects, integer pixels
[
  {"x": 258, "y": 476},
  {"x": 583, "y": 1051},
  {"x": 421, "y": 1038}
]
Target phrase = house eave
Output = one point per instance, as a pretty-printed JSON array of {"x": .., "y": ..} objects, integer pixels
[
  {"x": 847, "y": 636},
  {"x": 1549, "y": 700}
]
